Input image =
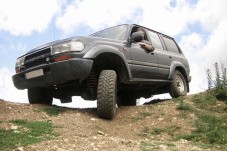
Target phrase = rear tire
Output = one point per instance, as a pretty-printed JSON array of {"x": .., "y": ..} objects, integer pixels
[
  {"x": 40, "y": 96},
  {"x": 179, "y": 86},
  {"x": 107, "y": 94}
]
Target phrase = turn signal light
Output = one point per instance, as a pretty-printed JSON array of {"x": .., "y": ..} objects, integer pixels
[{"x": 62, "y": 58}]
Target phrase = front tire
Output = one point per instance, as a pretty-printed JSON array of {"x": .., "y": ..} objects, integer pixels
[
  {"x": 179, "y": 86},
  {"x": 40, "y": 96},
  {"x": 107, "y": 94}
]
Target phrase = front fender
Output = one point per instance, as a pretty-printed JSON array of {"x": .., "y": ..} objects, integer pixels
[{"x": 100, "y": 49}]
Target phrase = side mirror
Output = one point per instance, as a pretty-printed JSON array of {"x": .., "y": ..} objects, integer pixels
[{"x": 136, "y": 37}]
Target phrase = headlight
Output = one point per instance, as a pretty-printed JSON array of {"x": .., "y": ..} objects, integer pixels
[
  {"x": 66, "y": 47},
  {"x": 20, "y": 61}
]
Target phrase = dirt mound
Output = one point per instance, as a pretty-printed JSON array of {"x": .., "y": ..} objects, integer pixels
[{"x": 147, "y": 127}]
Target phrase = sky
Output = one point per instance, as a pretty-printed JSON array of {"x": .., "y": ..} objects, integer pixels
[{"x": 198, "y": 26}]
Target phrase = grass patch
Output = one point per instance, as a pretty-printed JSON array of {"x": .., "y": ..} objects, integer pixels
[
  {"x": 169, "y": 130},
  {"x": 204, "y": 100},
  {"x": 209, "y": 129},
  {"x": 140, "y": 116},
  {"x": 148, "y": 146},
  {"x": 146, "y": 131},
  {"x": 27, "y": 133},
  {"x": 211, "y": 123},
  {"x": 53, "y": 111},
  {"x": 183, "y": 105}
]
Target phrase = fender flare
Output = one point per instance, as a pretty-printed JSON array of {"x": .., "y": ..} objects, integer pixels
[
  {"x": 173, "y": 67},
  {"x": 100, "y": 49}
]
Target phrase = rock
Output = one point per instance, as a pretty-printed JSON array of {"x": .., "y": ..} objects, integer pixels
[
  {"x": 93, "y": 119},
  {"x": 19, "y": 149},
  {"x": 160, "y": 119},
  {"x": 101, "y": 133},
  {"x": 13, "y": 127}
]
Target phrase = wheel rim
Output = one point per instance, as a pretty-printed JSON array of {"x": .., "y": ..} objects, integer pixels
[{"x": 180, "y": 84}]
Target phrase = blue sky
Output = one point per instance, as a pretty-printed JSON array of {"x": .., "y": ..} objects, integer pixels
[{"x": 199, "y": 26}]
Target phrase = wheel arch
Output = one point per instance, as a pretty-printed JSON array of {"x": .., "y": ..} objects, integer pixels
[
  {"x": 112, "y": 61},
  {"x": 180, "y": 67},
  {"x": 109, "y": 57}
]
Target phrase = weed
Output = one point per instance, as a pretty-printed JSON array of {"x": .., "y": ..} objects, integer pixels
[
  {"x": 169, "y": 130},
  {"x": 209, "y": 129},
  {"x": 140, "y": 116},
  {"x": 53, "y": 111},
  {"x": 27, "y": 133},
  {"x": 147, "y": 146},
  {"x": 220, "y": 82},
  {"x": 147, "y": 132},
  {"x": 204, "y": 100},
  {"x": 183, "y": 106}
]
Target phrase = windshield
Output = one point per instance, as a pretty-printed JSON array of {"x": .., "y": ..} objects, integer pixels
[{"x": 117, "y": 33}]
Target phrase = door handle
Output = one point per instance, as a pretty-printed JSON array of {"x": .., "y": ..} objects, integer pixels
[{"x": 170, "y": 57}]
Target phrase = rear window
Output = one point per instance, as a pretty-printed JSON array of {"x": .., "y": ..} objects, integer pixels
[{"x": 170, "y": 44}]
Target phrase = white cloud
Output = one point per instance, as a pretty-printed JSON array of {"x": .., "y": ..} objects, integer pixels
[
  {"x": 210, "y": 13},
  {"x": 7, "y": 90},
  {"x": 203, "y": 49},
  {"x": 158, "y": 15},
  {"x": 95, "y": 14},
  {"x": 163, "y": 17},
  {"x": 26, "y": 16}
]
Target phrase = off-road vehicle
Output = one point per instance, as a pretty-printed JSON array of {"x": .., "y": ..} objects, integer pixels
[{"x": 108, "y": 66}]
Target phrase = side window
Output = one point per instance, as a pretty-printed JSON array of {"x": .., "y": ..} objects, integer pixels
[
  {"x": 155, "y": 40},
  {"x": 170, "y": 44}
]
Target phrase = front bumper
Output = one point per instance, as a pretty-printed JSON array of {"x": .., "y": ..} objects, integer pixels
[{"x": 55, "y": 73}]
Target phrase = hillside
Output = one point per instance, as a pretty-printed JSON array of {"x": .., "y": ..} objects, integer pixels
[{"x": 162, "y": 125}]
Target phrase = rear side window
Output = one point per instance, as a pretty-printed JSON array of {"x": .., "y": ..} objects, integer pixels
[
  {"x": 170, "y": 44},
  {"x": 155, "y": 40}
]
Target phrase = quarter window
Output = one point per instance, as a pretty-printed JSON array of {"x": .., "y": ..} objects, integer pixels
[
  {"x": 171, "y": 45},
  {"x": 155, "y": 40}
]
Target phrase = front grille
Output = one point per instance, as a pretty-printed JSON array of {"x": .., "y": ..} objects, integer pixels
[{"x": 37, "y": 58}]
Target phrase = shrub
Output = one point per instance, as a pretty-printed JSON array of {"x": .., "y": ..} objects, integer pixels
[{"x": 220, "y": 83}]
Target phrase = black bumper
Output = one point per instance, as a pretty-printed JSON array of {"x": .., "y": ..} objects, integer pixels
[{"x": 55, "y": 73}]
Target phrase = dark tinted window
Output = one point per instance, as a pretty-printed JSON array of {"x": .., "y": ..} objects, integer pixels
[
  {"x": 117, "y": 33},
  {"x": 171, "y": 45},
  {"x": 155, "y": 40}
]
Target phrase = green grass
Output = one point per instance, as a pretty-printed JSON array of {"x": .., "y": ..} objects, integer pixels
[
  {"x": 211, "y": 122},
  {"x": 183, "y": 105},
  {"x": 204, "y": 100},
  {"x": 169, "y": 130},
  {"x": 210, "y": 131},
  {"x": 28, "y": 132},
  {"x": 53, "y": 111},
  {"x": 147, "y": 132},
  {"x": 140, "y": 116}
]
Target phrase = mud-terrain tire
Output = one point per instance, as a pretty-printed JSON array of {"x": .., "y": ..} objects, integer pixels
[
  {"x": 40, "y": 96},
  {"x": 107, "y": 94},
  {"x": 179, "y": 86}
]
